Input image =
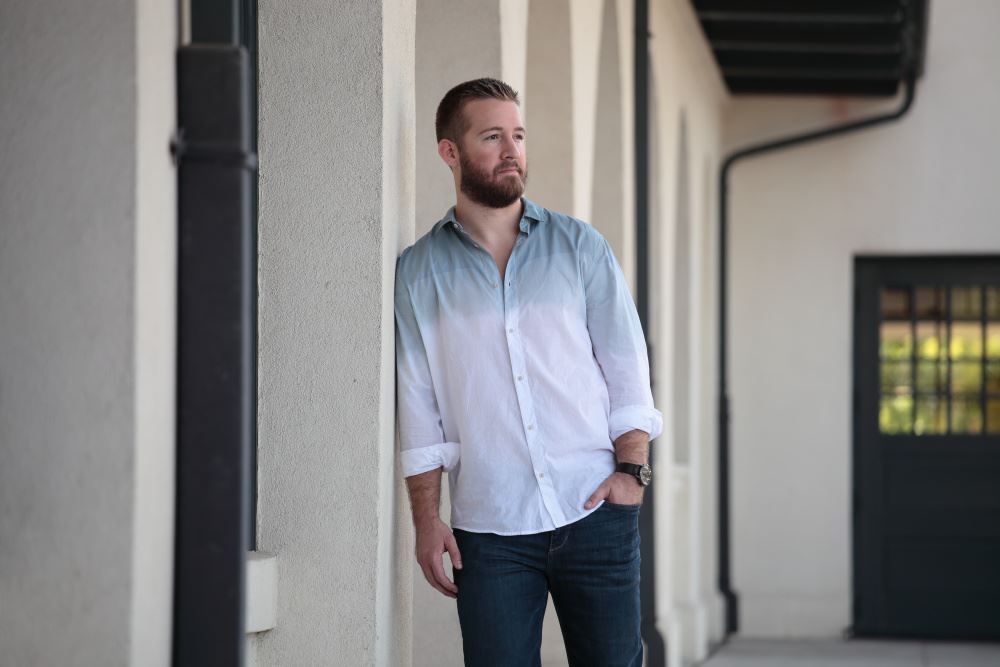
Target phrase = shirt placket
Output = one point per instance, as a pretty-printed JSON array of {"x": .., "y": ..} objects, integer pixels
[
  {"x": 511, "y": 315},
  {"x": 515, "y": 346}
]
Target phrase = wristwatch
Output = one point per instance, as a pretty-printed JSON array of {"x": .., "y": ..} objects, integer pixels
[{"x": 643, "y": 473}]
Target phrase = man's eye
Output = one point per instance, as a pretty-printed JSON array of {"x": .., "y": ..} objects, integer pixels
[{"x": 493, "y": 136}]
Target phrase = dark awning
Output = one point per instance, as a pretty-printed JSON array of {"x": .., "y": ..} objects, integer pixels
[{"x": 838, "y": 47}]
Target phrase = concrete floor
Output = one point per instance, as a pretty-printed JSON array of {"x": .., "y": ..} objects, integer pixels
[{"x": 853, "y": 653}]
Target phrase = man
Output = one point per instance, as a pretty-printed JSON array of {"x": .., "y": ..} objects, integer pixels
[{"x": 522, "y": 372}]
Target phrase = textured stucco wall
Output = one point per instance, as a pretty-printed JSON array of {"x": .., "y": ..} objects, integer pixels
[
  {"x": 394, "y": 619},
  {"x": 605, "y": 193},
  {"x": 155, "y": 299},
  {"x": 924, "y": 185},
  {"x": 585, "y": 32},
  {"x": 548, "y": 105},
  {"x": 687, "y": 84},
  {"x": 336, "y": 204},
  {"x": 82, "y": 382},
  {"x": 455, "y": 42}
]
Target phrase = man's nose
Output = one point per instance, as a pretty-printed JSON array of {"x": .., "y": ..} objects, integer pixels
[{"x": 510, "y": 148}]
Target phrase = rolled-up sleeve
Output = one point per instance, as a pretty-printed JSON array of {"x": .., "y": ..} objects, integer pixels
[
  {"x": 618, "y": 342},
  {"x": 421, "y": 438}
]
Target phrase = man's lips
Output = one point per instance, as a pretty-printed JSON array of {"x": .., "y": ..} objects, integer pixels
[{"x": 510, "y": 170}]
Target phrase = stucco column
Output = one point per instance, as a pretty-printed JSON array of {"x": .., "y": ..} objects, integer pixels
[
  {"x": 336, "y": 206},
  {"x": 87, "y": 268},
  {"x": 455, "y": 42}
]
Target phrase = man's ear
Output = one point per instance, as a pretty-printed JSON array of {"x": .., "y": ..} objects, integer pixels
[{"x": 448, "y": 152}]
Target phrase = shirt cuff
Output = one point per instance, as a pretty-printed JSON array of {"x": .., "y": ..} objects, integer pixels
[
  {"x": 422, "y": 459},
  {"x": 638, "y": 417}
]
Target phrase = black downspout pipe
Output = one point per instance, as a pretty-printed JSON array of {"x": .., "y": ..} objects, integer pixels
[
  {"x": 656, "y": 650},
  {"x": 725, "y": 564},
  {"x": 215, "y": 150}
]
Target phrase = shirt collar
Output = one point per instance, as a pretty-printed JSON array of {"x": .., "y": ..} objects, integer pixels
[{"x": 532, "y": 213}]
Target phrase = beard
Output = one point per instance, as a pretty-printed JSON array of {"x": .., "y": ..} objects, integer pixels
[{"x": 479, "y": 186}]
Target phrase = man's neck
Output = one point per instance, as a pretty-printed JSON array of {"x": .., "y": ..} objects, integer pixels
[{"x": 488, "y": 225}]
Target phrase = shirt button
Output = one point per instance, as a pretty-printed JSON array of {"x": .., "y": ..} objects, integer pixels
[
  {"x": 495, "y": 285},
  {"x": 520, "y": 377},
  {"x": 531, "y": 427},
  {"x": 511, "y": 330},
  {"x": 541, "y": 475}
]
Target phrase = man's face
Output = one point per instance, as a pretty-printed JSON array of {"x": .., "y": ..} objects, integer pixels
[{"x": 492, "y": 158}]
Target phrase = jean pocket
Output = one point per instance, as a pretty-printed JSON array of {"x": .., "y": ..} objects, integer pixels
[{"x": 619, "y": 506}]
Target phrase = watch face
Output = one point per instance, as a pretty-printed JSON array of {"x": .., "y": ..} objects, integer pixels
[{"x": 645, "y": 475}]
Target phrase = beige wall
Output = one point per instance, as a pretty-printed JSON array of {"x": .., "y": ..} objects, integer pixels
[
  {"x": 686, "y": 83},
  {"x": 448, "y": 52},
  {"x": 336, "y": 206},
  {"x": 604, "y": 194},
  {"x": 87, "y": 228},
  {"x": 798, "y": 217},
  {"x": 548, "y": 110},
  {"x": 155, "y": 344}
]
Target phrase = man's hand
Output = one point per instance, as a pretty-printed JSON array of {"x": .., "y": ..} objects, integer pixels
[
  {"x": 433, "y": 535},
  {"x": 620, "y": 488},
  {"x": 433, "y": 539}
]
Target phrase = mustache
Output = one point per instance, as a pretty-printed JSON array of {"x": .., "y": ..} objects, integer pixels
[{"x": 508, "y": 165}]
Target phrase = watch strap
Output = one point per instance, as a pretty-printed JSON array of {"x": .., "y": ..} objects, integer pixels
[{"x": 629, "y": 468}]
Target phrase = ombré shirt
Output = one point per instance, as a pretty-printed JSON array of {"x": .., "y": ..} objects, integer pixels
[{"x": 517, "y": 387}]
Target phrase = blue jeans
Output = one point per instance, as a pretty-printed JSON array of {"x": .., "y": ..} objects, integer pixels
[{"x": 591, "y": 567}]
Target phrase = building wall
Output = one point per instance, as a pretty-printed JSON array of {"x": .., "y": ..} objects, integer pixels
[
  {"x": 925, "y": 185},
  {"x": 447, "y": 53},
  {"x": 87, "y": 255},
  {"x": 688, "y": 97},
  {"x": 155, "y": 299},
  {"x": 336, "y": 141}
]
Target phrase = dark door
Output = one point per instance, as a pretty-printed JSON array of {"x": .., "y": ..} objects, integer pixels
[{"x": 927, "y": 447}]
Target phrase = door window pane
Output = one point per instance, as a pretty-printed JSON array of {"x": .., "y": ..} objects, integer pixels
[
  {"x": 932, "y": 417},
  {"x": 897, "y": 377},
  {"x": 897, "y": 340},
  {"x": 939, "y": 368},
  {"x": 966, "y": 340},
  {"x": 966, "y": 303},
  {"x": 993, "y": 341},
  {"x": 993, "y": 379},
  {"x": 966, "y": 377},
  {"x": 930, "y": 303},
  {"x": 895, "y": 304},
  {"x": 931, "y": 377},
  {"x": 993, "y": 303},
  {"x": 896, "y": 414},
  {"x": 966, "y": 416},
  {"x": 993, "y": 415},
  {"x": 931, "y": 339}
]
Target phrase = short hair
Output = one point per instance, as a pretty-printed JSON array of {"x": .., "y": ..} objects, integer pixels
[{"x": 451, "y": 122}]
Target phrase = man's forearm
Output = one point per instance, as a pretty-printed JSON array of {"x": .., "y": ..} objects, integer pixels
[
  {"x": 425, "y": 496},
  {"x": 632, "y": 447}
]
